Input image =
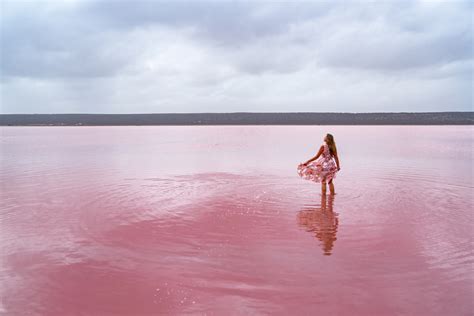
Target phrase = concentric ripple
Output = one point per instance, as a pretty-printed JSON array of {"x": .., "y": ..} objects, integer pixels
[{"x": 216, "y": 221}]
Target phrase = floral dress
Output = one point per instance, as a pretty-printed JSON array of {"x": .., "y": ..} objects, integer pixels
[{"x": 322, "y": 168}]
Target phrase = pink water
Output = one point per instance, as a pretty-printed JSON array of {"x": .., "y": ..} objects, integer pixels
[{"x": 215, "y": 221}]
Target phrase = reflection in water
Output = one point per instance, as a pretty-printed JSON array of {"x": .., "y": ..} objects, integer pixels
[
  {"x": 136, "y": 220},
  {"x": 322, "y": 221}
]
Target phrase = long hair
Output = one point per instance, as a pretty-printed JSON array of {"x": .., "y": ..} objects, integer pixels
[{"x": 331, "y": 144}]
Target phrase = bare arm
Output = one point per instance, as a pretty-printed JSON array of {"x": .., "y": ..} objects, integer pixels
[
  {"x": 336, "y": 157},
  {"x": 317, "y": 155}
]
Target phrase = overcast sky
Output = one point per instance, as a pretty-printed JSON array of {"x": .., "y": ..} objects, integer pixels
[{"x": 148, "y": 56}]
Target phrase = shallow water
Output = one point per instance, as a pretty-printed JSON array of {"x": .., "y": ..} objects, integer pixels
[{"x": 215, "y": 220}]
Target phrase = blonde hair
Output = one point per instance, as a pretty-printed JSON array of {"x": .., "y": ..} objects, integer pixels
[{"x": 331, "y": 144}]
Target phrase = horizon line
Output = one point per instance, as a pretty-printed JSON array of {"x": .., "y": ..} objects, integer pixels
[{"x": 244, "y": 112}]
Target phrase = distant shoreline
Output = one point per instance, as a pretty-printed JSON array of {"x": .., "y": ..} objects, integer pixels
[{"x": 239, "y": 118}]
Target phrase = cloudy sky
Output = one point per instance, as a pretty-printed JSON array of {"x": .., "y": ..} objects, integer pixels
[{"x": 112, "y": 56}]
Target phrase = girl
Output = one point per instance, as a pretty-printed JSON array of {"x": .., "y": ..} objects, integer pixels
[{"x": 324, "y": 167}]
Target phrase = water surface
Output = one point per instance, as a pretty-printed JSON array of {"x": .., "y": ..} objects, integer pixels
[{"x": 214, "y": 220}]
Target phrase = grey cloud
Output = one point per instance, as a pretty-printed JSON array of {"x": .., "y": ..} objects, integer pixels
[
  {"x": 157, "y": 56},
  {"x": 228, "y": 22},
  {"x": 397, "y": 52},
  {"x": 87, "y": 40},
  {"x": 402, "y": 41},
  {"x": 43, "y": 42}
]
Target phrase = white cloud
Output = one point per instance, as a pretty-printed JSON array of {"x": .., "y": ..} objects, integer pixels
[{"x": 139, "y": 57}]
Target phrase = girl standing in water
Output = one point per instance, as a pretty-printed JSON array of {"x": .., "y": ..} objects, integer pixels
[{"x": 323, "y": 166}]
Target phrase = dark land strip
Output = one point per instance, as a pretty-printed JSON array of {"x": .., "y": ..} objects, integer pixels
[{"x": 244, "y": 118}]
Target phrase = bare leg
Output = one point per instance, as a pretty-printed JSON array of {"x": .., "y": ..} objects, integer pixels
[
  {"x": 323, "y": 186},
  {"x": 331, "y": 187}
]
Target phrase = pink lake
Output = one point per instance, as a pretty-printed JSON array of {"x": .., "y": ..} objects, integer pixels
[{"x": 214, "y": 220}]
